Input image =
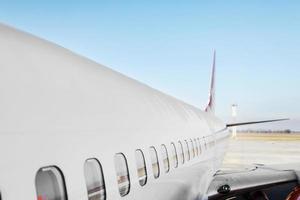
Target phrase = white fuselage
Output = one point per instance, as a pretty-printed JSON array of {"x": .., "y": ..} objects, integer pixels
[{"x": 60, "y": 109}]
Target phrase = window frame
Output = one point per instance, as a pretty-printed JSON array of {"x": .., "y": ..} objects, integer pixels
[
  {"x": 192, "y": 149},
  {"x": 175, "y": 161},
  {"x": 200, "y": 148},
  {"x": 61, "y": 177},
  {"x": 166, "y": 161},
  {"x": 196, "y": 147},
  {"x": 187, "y": 150},
  {"x": 128, "y": 174},
  {"x": 155, "y": 175},
  {"x": 101, "y": 175},
  {"x": 181, "y": 152},
  {"x": 145, "y": 167},
  {"x": 205, "y": 145}
]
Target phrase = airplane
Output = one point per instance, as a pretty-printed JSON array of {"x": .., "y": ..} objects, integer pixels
[{"x": 71, "y": 128}]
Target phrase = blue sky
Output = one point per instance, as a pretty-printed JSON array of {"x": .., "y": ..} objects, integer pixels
[{"x": 168, "y": 45}]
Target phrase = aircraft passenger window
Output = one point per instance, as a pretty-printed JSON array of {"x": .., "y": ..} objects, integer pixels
[
  {"x": 174, "y": 156},
  {"x": 164, "y": 153},
  {"x": 141, "y": 167},
  {"x": 187, "y": 151},
  {"x": 122, "y": 174},
  {"x": 50, "y": 184},
  {"x": 154, "y": 161},
  {"x": 192, "y": 148},
  {"x": 199, "y": 143},
  {"x": 205, "y": 143},
  {"x": 181, "y": 152},
  {"x": 94, "y": 180},
  {"x": 196, "y": 147}
]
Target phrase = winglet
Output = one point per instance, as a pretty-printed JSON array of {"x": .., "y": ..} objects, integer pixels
[{"x": 211, "y": 99}]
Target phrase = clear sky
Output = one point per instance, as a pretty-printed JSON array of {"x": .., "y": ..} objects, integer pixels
[{"x": 169, "y": 44}]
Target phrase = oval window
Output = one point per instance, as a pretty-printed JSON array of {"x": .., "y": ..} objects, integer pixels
[
  {"x": 205, "y": 144},
  {"x": 192, "y": 148},
  {"x": 165, "y": 157},
  {"x": 94, "y": 179},
  {"x": 181, "y": 152},
  {"x": 50, "y": 184},
  {"x": 154, "y": 161},
  {"x": 141, "y": 167},
  {"x": 199, "y": 143},
  {"x": 187, "y": 151},
  {"x": 196, "y": 147},
  {"x": 122, "y": 174},
  {"x": 174, "y": 156}
]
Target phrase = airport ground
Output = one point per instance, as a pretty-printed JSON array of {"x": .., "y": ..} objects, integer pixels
[{"x": 258, "y": 148}]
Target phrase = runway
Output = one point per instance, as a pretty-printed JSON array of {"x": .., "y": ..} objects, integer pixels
[{"x": 256, "y": 148}]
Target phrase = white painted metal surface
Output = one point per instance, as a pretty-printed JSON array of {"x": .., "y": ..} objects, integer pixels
[{"x": 60, "y": 109}]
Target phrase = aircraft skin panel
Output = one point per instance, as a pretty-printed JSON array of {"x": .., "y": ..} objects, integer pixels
[
  {"x": 58, "y": 108},
  {"x": 48, "y": 88},
  {"x": 192, "y": 178}
]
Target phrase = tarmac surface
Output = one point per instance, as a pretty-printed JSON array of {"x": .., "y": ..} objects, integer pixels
[{"x": 267, "y": 149}]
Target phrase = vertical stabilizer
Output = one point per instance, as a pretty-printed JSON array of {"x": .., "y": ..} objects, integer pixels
[{"x": 211, "y": 99}]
